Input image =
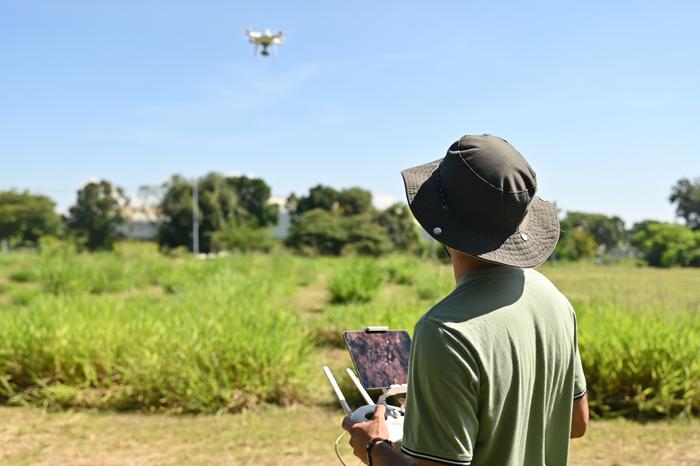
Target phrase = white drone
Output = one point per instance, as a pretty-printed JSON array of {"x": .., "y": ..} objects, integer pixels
[{"x": 266, "y": 39}]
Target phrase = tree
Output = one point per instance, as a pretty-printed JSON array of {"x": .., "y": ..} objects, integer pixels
[
  {"x": 318, "y": 231},
  {"x": 217, "y": 206},
  {"x": 319, "y": 197},
  {"x": 355, "y": 201},
  {"x": 576, "y": 244},
  {"x": 398, "y": 222},
  {"x": 667, "y": 244},
  {"x": 608, "y": 232},
  {"x": 365, "y": 236},
  {"x": 254, "y": 196},
  {"x": 96, "y": 214},
  {"x": 686, "y": 195},
  {"x": 24, "y": 217},
  {"x": 176, "y": 210},
  {"x": 224, "y": 203},
  {"x": 351, "y": 201}
]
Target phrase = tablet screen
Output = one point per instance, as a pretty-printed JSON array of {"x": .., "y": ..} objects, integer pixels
[{"x": 381, "y": 358}]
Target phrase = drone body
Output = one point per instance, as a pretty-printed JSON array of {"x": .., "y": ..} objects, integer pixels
[{"x": 265, "y": 39}]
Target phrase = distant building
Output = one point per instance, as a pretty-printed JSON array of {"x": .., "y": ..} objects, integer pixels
[
  {"x": 281, "y": 230},
  {"x": 142, "y": 223},
  {"x": 139, "y": 224}
]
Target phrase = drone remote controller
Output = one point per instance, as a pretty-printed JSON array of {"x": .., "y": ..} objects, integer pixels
[
  {"x": 394, "y": 419},
  {"x": 394, "y": 416}
]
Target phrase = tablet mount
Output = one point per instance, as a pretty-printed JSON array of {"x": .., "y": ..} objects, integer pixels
[{"x": 394, "y": 415}]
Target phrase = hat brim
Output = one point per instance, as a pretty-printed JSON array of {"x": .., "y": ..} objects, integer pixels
[{"x": 528, "y": 247}]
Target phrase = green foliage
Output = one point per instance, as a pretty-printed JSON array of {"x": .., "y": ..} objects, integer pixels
[
  {"x": 227, "y": 341},
  {"x": 357, "y": 281},
  {"x": 606, "y": 231},
  {"x": 667, "y": 245},
  {"x": 401, "y": 269},
  {"x": 576, "y": 244},
  {"x": 222, "y": 202},
  {"x": 317, "y": 232},
  {"x": 639, "y": 363},
  {"x": 134, "y": 329},
  {"x": 351, "y": 201},
  {"x": 23, "y": 276},
  {"x": 355, "y": 201},
  {"x": 333, "y": 222},
  {"x": 23, "y": 296},
  {"x": 639, "y": 337},
  {"x": 365, "y": 237},
  {"x": 584, "y": 234},
  {"x": 217, "y": 206},
  {"x": 321, "y": 232},
  {"x": 433, "y": 283},
  {"x": 96, "y": 214},
  {"x": 253, "y": 196},
  {"x": 241, "y": 238},
  {"x": 24, "y": 217},
  {"x": 403, "y": 232},
  {"x": 686, "y": 195},
  {"x": 639, "y": 331}
]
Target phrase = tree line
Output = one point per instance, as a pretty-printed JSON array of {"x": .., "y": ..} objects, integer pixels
[{"x": 235, "y": 213}]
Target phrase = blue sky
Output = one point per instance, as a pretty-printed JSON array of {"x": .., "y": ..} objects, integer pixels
[{"x": 603, "y": 98}]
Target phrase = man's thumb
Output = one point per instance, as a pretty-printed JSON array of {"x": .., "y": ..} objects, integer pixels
[{"x": 379, "y": 412}]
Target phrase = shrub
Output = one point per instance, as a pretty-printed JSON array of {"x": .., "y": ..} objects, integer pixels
[
  {"x": 401, "y": 270},
  {"x": 22, "y": 297},
  {"x": 23, "y": 276},
  {"x": 667, "y": 245},
  {"x": 356, "y": 281},
  {"x": 241, "y": 238}
]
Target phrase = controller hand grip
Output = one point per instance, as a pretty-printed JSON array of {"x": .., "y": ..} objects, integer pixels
[{"x": 394, "y": 419}]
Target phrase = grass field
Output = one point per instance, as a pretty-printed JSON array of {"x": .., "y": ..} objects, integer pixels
[
  {"x": 246, "y": 335},
  {"x": 271, "y": 436}
]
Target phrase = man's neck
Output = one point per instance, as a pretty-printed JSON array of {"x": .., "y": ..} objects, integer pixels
[{"x": 462, "y": 264}]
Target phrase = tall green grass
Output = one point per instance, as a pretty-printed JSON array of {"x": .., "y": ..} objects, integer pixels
[
  {"x": 357, "y": 280},
  {"x": 225, "y": 341},
  {"x": 639, "y": 336},
  {"x": 639, "y": 330},
  {"x": 137, "y": 330}
]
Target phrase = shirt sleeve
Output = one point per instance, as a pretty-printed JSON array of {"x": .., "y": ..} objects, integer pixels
[
  {"x": 579, "y": 377},
  {"x": 441, "y": 420}
]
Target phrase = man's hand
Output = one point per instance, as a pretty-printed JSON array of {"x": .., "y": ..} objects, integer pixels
[{"x": 362, "y": 432}]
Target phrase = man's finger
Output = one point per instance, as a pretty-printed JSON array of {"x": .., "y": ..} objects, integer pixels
[
  {"x": 379, "y": 412},
  {"x": 347, "y": 423}
]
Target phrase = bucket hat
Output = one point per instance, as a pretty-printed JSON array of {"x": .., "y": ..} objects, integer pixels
[{"x": 480, "y": 200}]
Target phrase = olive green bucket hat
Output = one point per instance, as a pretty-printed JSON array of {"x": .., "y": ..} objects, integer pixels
[{"x": 480, "y": 199}]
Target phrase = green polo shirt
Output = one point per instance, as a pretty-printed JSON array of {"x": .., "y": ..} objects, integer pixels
[{"x": 493, "y": 372}]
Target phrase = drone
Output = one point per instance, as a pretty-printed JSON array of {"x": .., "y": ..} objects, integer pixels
[{"x": 266, "y": 39}]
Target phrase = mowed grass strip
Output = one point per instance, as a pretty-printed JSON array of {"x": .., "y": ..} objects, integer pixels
[{"x": 270, "y": 436}]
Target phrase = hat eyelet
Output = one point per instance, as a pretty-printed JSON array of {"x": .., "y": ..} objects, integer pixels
[{"x": 437, "y": 231}]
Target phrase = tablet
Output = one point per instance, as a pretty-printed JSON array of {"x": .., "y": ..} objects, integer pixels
[{"x": 380, "y": 356}]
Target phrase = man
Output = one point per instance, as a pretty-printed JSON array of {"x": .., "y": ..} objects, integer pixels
[{"x": 495, "y": 377}]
